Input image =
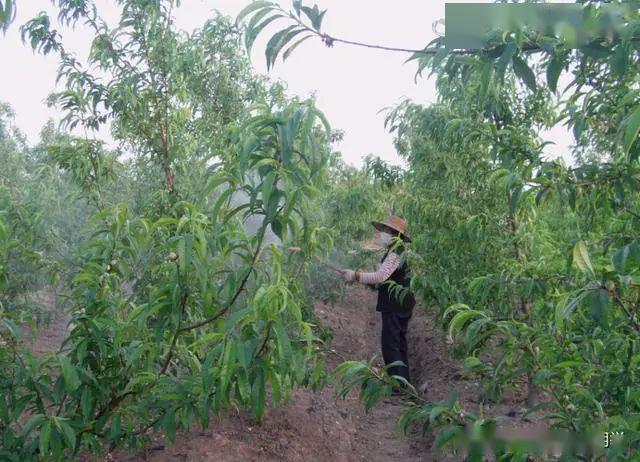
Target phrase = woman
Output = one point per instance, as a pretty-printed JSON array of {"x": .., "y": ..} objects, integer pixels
[{"x": 396, "y": 308}]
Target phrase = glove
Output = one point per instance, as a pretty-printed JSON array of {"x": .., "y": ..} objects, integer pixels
[{"x": 348, "y": 275}]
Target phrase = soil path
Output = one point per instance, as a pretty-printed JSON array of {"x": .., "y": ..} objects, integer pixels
[
  {"x": 49, "y": 337},
  {"x": 315, "y": 426}
]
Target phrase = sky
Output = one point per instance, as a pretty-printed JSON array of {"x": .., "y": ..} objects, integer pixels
[{"x": 352, "y": 85}]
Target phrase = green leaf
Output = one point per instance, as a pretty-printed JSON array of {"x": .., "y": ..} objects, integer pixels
[
  {"x": 284, "y": 343},
  {"x": 185, "y": 251},
  {"x": 620, "y": 60},
  {"x": 568, "y": 364},
  {"x": 314, "y": 15},
  {"x": 524, "y": 72},
  {"x": 600, "y": 306},
  {"x": 454, "y": 308},
  {"x": 272, "y": 205},
  {"x": 435, "y": 412},
  {"x": 168, "y": 424},
  {"x": 267, "y": 187},
  {"x": 486, "y": 79},
  {"x": 236, "y": 317},
  {"x": 71, "y": 380},
  {"x": 513, "y": 200},
  {"x": 506, "y": 57},
  {"x": 323, "y": 119},
  {"x": 553, "y": 73},
  {"x": 213, "y": 183},
  {"x": 620, "y": 259},
  {"x": 579, "y": 124},
  {"x": 45, "y": 438},
  {"x": 279, "y": 39},
  {"x": 257, "y": 394},
  {"x": 219, "y": 202},
  {"x": 572, "y": 305},
  {"x": 276, "y": 386},
  {"x": 559, "y": 312},
  {"x": 318, "y": 21},
  {"x": 13, "y": 329},
  {"x": 253, "y": 7},
  {"x": 476, "y": 332},
  {"x": 244, "y": 352},
  {"x": 460, "y": 319},
  {"x": 67, "y": 432},
  {"x": 252, "y": 34},
  {"x": 86, "y": 402},
  {"x": 256, "y": 18},
  {"x": 629, "y": 97},
  {"x": 581, "y": 258},
  {"x": 596, "y": 50},
  {"x": 289, "y": 50},
  {"x": 284, "y": 42},
  {"x": 537, "y": 407},
  {"x": 277, "y": 228},
  {"x": 226, "y": 366},
  {"x": 7, "y": 14},
  {"x": 632, "y": 128},
  {"x": 137, "y": 311},
  {"x": 33, "y": 422},
  {"x": 449, "y": 435},
  {"x": 209, "y": 337}
]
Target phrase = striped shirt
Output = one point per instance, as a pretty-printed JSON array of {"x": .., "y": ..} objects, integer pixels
[{"x": 384, "y": 271}]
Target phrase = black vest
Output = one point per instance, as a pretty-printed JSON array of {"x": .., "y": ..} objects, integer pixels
[{"x": 389, "y": 301}]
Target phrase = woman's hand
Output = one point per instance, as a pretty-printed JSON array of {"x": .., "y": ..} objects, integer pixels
[{"x": 348, "y": 275}]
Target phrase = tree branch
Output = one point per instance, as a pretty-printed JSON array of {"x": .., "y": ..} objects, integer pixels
[
  {"x": 220, "y": 313},
  {"x": 329, "y": 40}
]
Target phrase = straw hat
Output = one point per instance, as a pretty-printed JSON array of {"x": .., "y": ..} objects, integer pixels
[{"x": 392, "y": 224}]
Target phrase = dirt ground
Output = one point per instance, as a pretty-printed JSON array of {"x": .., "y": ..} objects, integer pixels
[
  {"x": 50, "y": 336},
  {"x": 317, "y": 426}
]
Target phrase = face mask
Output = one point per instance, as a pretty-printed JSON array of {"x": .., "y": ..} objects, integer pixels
[{"x": 384, "y": 239}]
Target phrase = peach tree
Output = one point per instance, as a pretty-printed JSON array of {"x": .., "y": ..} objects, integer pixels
[{"x": 177, "y": 308}]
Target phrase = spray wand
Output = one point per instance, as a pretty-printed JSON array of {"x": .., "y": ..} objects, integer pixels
[{"x": 322, "y": 262}]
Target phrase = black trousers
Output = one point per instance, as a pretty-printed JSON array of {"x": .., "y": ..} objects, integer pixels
[{"x": 394, "y": 343}]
